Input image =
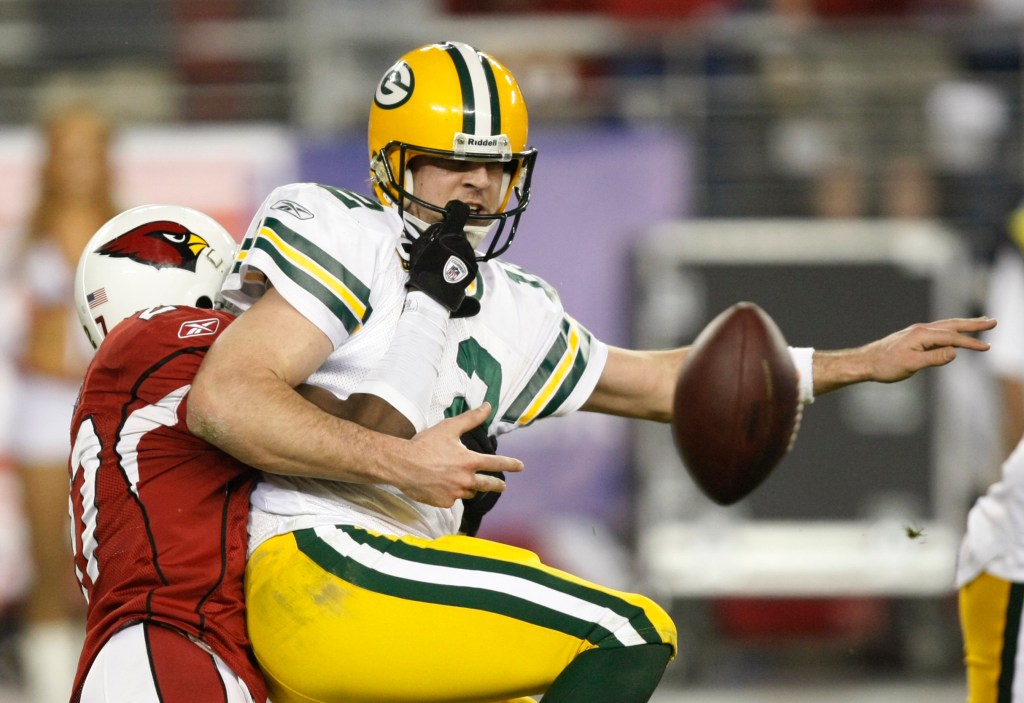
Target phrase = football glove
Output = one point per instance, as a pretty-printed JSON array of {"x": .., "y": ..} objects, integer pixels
[
  {"x": 442, "y": 262},
  {"x": 474, "y": 509}
]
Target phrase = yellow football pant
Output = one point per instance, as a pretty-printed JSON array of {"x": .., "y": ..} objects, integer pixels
[
  {"x": 344, "y": 614},
  {"x": 990, "y": 618}
]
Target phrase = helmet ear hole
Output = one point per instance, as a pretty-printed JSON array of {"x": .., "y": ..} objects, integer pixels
[
  {"x": 204, "y": 302},
  {"x": 378, "y": 169}
]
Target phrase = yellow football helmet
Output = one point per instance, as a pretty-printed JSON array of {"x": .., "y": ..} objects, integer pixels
[{"x": 452, "y": 101}]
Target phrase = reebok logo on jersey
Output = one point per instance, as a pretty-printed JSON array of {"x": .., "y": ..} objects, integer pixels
[
  {"x": 455, "y": 270},
  {"x": 293, "y": 209},
  {"x": 198, "y": 328}
]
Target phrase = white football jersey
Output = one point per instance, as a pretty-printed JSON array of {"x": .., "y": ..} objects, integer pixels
[
  {"x": 1005, "y": 302},
  {"x": 332, "y": 254},
  {"x": 994, "y": 540}
]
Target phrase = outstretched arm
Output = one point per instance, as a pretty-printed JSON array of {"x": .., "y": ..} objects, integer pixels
[
  {"x": 641, "y": 383},
  {"x": 899, "y": 355}
]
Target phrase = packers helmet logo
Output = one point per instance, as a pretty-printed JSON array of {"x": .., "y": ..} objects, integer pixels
[
  {"x": 161, "y": 244},
  {"x": 395, "y": 88}
]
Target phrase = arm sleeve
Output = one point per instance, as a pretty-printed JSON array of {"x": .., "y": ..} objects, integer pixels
[
  {"x": 406, "y": 374},
  {"x": 803, "y": 359},
  {"x": 315, "y": 253},
  {"x": 563, "y": 379}
]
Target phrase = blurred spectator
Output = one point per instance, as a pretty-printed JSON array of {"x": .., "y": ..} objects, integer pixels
[
  {"x": 74, "y": 200},
  {"x": 14, "y": 577},
  {"x": 966, "y": 120},
  {"x": 968, "y": 123},
  {"x": 839, "y": 190},
  {"x": 908, "y": 191},
  {"x": 1004, "y": 10}
]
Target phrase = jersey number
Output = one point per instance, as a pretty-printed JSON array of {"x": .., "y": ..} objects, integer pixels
[
  {"x": 478, "y": 363},
  {"x": 85, "y": 461}
]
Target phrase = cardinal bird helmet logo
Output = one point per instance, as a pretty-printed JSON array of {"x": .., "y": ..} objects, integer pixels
[{"x": 162, "y": 244}]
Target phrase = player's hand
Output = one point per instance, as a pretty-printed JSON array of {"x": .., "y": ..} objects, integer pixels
[
  {"x": 442, "y": 262},
  {"x": 901, "y": 354},
  {"x": 441, "y": 470},
  {"x": 474, "y": 509}
]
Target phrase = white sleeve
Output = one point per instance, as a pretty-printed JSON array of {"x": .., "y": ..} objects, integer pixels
[
  {"x": 1005, "y": 302},
  {"x": 316, "y": 252},
  {"x": 406, "y": 374},
  {"x": 803, "y": 359}
]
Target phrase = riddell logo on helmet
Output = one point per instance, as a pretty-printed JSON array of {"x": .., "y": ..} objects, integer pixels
[{"x": 469, "y": 145}]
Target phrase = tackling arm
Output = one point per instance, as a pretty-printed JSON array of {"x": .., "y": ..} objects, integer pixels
[{"x": 252, "y": 412}]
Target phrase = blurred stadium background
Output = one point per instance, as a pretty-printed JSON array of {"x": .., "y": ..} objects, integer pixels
[{"x": 849, "y": 164}]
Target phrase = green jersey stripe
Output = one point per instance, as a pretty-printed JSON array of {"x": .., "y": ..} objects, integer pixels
[
  {"x": 475, "y": 581},
  {"x": 311, "y": 285},
  {"x": 242, "y": 254},
  {"x": 475, "y": 563},
  {"x": 568, "y": 385},
  {"x": 555, "y": 378},
  {"x": 331, "y": 266},
  {"x": 320, "y": 266}
]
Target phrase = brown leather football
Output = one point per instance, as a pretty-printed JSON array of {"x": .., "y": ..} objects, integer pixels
[{"x": 736, "y": 408}]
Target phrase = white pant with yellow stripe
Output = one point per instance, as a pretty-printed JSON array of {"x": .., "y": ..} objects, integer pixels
[
  {"x": 990, "y": 617},
  {"x": 340, "y": 613}
]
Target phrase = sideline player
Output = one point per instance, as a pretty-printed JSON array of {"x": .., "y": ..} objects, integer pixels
[
  {"x": 159, "y": 516},
  {"x": 990, "y": 568},
  {"x": 362, "y": 593},
  {"x": 990, "y": 578}
]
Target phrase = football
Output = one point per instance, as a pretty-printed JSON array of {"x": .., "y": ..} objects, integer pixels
[{"x": 736, "y": 409}]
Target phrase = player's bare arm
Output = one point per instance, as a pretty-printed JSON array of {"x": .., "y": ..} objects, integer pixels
[
  {"x": 900, "y": 354},
  {"x": 375, "y": 413},
  {"x": 370, "y": 411},
  {"x": 640, "y": 383},
  {"x": 637, "y": 383},
  {"x": 253, "y": 413}
]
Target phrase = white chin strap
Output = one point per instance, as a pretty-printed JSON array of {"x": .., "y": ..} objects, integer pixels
[{"x": 476, "y": 234}]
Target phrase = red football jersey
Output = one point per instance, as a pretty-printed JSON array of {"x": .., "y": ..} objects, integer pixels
[{"x": 159, "y": 516}]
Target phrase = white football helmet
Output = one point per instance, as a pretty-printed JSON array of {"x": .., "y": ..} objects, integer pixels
[{"x": 146, "y": 256}]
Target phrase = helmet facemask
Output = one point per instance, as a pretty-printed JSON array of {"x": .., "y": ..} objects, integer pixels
[{"x": 393, "y": 177}]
